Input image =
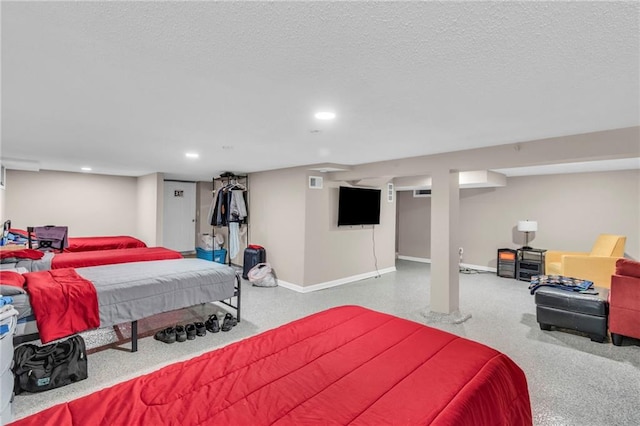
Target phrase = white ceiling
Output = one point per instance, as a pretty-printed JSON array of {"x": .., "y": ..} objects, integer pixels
[{"x": 129, "y": 87}]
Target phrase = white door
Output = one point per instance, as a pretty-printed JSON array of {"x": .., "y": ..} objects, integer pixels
[{"x": 179, "y": 220}]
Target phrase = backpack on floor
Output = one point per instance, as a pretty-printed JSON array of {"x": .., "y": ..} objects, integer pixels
[
  {"x": 40, "y": 368},
  {"x": 262, "y": 275}
]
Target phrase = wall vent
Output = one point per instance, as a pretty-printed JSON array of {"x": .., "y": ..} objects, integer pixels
[
  {"x": 421, "y": 193},
  {"x": 390, "y": 192},
  {"x": 315, "y": 182}
]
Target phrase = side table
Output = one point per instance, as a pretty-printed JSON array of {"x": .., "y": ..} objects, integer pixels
[{"x": 529, "y": 262}]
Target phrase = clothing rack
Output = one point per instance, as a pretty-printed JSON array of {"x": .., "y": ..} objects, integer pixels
[{"x": 232, "y": 181}]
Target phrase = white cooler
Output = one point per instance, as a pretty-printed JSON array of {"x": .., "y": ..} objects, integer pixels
[{"x": 8, "y": 320}]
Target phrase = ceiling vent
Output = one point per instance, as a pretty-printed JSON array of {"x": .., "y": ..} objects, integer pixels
[
  {"x": 315, "y": 182},
  {"x": 417, "y": 193}
]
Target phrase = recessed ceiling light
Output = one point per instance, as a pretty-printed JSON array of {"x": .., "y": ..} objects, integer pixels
[
  {"x": 192, "y": 155},
  {"x": 86, "y": 169},
  {"x": 325, "y": 115}
]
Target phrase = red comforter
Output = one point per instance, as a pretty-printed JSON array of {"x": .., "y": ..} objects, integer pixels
[
  {"x": 111, "y": 257},
  {"x": 63, "y": 303},
  {"x": 93, "y": 243},
  {"x": 344, "y": 365},
  {"x": 103, "y": 243}
]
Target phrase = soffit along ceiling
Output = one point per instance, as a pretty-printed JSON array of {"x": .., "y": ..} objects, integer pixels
[{"x": 129, "y": 87}]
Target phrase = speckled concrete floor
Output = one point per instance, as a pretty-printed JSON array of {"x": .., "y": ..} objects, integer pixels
[{"x": 572, "y": 381}]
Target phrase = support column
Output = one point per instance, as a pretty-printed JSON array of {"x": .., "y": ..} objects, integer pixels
[{"x": 445, "y": 290}]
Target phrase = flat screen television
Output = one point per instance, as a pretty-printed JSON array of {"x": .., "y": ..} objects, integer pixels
[{"x": 358, "y": 206}]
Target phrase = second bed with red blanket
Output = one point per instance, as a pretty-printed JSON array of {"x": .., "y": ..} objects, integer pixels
[
  {"x": 51, "y": 260},
  {"x": 346, "y": 365},
  {"x": 112, "y": 257}
]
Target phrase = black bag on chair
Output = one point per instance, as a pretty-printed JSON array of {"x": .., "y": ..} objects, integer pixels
[{"x": 40, "y": 368}]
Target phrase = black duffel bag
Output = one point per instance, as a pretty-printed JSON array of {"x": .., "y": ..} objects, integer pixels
[{"x": 40, "y": 368}]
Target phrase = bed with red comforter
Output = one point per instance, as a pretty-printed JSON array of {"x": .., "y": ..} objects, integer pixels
[
  {"x": 92, "y": 243},
  {"x": 112, "y": 257},
  {"x": 34, "y": 260},
  {"x": 346, "y": 365},
  {"x": 103, "y": 243}
]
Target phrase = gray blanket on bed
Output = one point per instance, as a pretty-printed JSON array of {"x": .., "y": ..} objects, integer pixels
[{"x": 132, "y": 291}]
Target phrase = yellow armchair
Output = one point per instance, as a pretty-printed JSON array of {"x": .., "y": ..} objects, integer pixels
[{"x": 597, "y": 265}]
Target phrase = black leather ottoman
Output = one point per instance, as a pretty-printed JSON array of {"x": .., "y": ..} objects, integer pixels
[{"x": 576, "y": 311}]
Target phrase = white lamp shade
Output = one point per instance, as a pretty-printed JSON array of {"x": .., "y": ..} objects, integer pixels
[{"x": 527, "y": 226}]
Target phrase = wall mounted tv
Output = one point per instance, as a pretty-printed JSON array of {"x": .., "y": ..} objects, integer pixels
[{"x": 358, "y": 206}]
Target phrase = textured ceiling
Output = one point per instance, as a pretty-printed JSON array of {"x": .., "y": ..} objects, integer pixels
[{"x": 129, "y": 87}]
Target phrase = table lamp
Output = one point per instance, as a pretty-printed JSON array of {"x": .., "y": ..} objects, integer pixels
[{"x": 527, "y": 226}]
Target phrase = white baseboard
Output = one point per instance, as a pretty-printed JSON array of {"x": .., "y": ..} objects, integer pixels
[
  {"x": 334, "y": 283},
  {"x": 478, "y": 267},
  {"x": 463, "y": 265},
  {"x": 414, "y": 259}
]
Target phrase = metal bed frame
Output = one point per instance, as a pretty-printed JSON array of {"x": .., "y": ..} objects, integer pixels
[{"x": 228, "y": 302}]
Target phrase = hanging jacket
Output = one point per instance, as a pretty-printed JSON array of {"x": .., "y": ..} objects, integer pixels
[
  {"x": 219, "y": 217},
  {"x": 237, "y": 208}
]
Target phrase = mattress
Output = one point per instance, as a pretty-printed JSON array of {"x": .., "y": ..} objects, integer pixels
[{"x": 346, "y": 365}]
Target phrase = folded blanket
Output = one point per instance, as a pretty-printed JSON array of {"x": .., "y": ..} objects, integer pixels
[
  {"x": 63, "y": 302},
  {"x": 561, "y": 282}
]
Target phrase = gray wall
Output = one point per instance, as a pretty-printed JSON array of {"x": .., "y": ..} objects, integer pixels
[
  {"x": 298, "y": 227},
  {"x": 150, "y": 210},
  {"x": 89, "y": 204},
  {"x": 571, "y": 210},
  {"x": 414, "y": 225},
  {"x": 204, "y": 197},
  {"x": 333, "y": 252},
  {"x": 277, "y": 220}
]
